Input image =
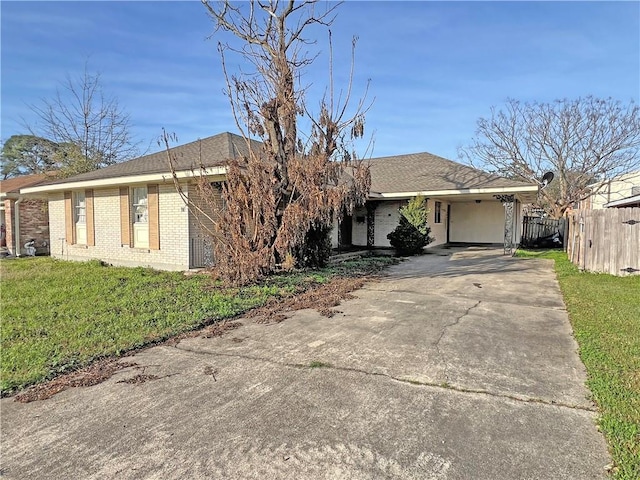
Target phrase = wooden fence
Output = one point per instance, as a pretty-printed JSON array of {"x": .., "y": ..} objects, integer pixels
[
  {"x": 606, "y": 240},
  {"x": 538, "y": 232}
]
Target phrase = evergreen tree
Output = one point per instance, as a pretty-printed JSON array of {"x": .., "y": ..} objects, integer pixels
[{"x": 412, "y": 233}]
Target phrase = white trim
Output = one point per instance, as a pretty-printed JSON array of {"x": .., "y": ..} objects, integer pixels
[
  {"x": 131, "y": 179},
  {"x": 623, "y": 201},
  {"x": 213, "y": 171},
  {"x": 466, "y": 191}
]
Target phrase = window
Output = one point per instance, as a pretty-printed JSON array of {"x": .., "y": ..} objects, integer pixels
[
  {"x": 139, "y": 217},
  {"x": 80, "y": 206},
  {"x": 140, "y": 210},
  {"x": 80, "y": 216},
  {"x": 79, "y": 227},
  {"x": 437, "y": 215}
]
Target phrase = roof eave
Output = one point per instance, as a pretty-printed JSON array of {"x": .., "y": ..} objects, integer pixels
[
  {"x": 464, "y": 191},
  {"x": 623, "y": 201},
  {"x": 124, "y": 180}
]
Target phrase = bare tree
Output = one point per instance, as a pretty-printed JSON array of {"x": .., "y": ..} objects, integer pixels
[
  {"x": 93, "y": 129},
  {"x": 281, "y": 198},
  {"x": 581, "y": 141}
]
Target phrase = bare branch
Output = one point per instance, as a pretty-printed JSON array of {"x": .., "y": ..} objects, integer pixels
[
  {"x": 82, "y": 119},
  {"x": 281, "y": 197},
  {"x": 583, "y": 141}
]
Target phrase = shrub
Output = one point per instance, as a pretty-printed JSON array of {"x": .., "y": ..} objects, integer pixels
[
  {"x": 316, "y": 250},
  {"x": 412, "y": 233}
]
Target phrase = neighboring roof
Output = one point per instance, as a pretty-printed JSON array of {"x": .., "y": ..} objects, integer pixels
[
  {"x": 208, "y": 152},
  {"x": 424, "y": 172},
  {"x": 625, "y": 202},
  {"x": 13, "y": 185}
]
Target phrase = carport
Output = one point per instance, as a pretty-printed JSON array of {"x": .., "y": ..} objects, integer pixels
[{"x": 466, "y": 205}]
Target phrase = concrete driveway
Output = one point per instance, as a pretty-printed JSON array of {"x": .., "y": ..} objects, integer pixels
[{"x": 458, "y": 365}]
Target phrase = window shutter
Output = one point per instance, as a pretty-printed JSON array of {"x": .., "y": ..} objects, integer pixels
[
  {"x": 125, "y": 217},
  {"x": 154, "y": 217},
  {"x": 91, "y": 233},
  {"x": 68, "y": 218}
]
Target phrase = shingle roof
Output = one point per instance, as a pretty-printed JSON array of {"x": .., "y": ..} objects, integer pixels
[
  {"x": 417, "y": 172},
  {"x": 209, "y": 152},
  {"x": 13, "y": 185},
  {"x": 422, "y": 172}
]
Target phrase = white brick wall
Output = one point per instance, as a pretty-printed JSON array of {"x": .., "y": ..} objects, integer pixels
[
  {"x": 173, "y": 224},
  {"x": 56, "y": 224}
]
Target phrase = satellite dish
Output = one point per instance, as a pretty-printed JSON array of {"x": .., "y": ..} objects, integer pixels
[{"x": 546, "y": 179}]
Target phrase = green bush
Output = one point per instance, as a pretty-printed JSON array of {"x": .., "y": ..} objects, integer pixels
[
  {"x": 412, "y": 233},
  {"x": 316, "y": 250}
]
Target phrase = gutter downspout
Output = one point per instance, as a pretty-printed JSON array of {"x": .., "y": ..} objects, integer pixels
[{"x": 16, "y": 217}]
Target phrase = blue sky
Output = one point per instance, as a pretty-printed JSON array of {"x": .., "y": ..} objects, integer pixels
[{"x": 435, "y": 67}]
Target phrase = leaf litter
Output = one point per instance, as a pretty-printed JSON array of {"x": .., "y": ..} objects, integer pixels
[{"x": 321, "y": 297}]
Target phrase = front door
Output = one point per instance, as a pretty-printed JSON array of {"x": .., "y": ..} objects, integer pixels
[{"x": 346, "y": 227}]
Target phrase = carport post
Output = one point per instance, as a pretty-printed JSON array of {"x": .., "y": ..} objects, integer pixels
[
  {"x": 371, "y": 222},
  {"x": 508, "y": 204}
]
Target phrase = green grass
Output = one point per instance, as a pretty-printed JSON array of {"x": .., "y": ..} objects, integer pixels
[
  {"x": 605, "y": 314},
  {"x": 58, "y": 316},
  {"x": 318, "y": 364}
]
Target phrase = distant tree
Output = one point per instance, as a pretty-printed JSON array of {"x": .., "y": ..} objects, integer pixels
[
  {"x": 581, "y": 141},
  {"x": 412, "y": 233},
  {"x": 280, "y": 201},
  {"x": 88, "y": 122},
  {"x": 27, "y": 154}
]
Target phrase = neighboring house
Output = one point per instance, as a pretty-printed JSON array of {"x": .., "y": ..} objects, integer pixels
[
  {"x": 621, "y": 191},
  {"x": 23, "y": 219},
  {"x": 131, "y": 214}
]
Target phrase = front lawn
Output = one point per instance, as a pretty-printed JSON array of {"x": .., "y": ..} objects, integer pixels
[
  {"x": 605, "y": 314},
  {"x": 58, "y": 316}
]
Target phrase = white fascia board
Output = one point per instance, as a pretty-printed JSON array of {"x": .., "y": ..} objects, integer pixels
[
  {"x": 132, "y": 179},
  {"x": 623, "y": 201},
  {"x": 466, "y": 191}
]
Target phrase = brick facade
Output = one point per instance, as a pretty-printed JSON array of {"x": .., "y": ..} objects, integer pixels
[
  {"x": 34, "y": 223},
  {"x": 173, "y": 228}
]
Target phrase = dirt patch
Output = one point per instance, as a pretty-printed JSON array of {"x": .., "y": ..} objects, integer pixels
[
  {"x": 212, "y": 328},
  {"x": 102, "y": 370},
  {"x": 94, "y": 374},
  {"x": 271, "y": 318},
  {"x": 219, "y": 329},
  {"x": 321, "y": 298},
  {"x": 139, "y": 378}
]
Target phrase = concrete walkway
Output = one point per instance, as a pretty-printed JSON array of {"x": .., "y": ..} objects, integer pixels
[{"x": 458, "y": 365}]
